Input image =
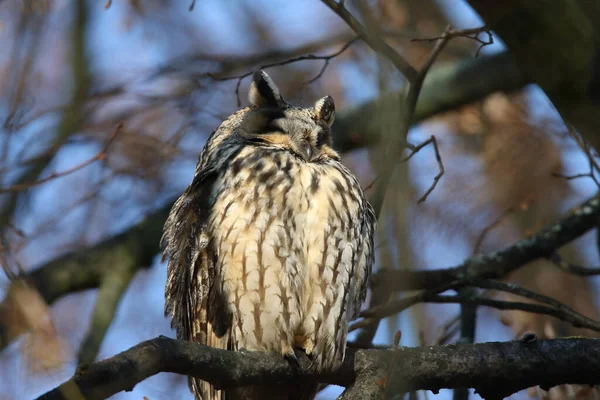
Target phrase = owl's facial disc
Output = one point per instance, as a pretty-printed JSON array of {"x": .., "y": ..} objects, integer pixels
[{"x": 304, "y": 132}]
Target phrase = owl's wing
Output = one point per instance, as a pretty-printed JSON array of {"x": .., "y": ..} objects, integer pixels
[
  {"x": 192, "y": 299},
  {"x": 365, "y": 255},
  {"x": 184, "y": 240}
]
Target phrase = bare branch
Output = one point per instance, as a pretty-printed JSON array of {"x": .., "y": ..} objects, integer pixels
[
  {"x": 472, "y": 33},
  {"x": 433, "y": 141},
  {"x": 393, "y": 145},
  {"x": 408, "y": 109},
  {"x": 73, "y": 114},
  {"x": 587, "y": 150},
  {"x": 495, "y": 370}
]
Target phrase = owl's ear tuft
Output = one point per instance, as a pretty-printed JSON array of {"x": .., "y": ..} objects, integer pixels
[
  {"x": 325, "y": 110},
  {"x": 263, "y": 91}
]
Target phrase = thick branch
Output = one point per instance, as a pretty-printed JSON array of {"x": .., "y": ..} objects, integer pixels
[
  {"x": 113, "y": 286},
  {"x": 495, "y": 370}
]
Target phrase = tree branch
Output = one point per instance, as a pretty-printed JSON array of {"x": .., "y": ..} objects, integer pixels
[
  {"x": 495, "y": 370},
  {"x": 113, "y": 285},
  {"x": 375, "y": 42}
]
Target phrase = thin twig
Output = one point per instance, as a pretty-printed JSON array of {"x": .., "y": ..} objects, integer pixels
[
  {"x": 587, "y": 150},
  {"x": 577, "y": 176},
  {"x": 471, "y": 33},
  {"x": 572, "y": 268},
  {"x": 326, "y": 58},
  {"x": 433, "y": 141},
  {"x": 411, "y": 104},
  {"x": 449, "y": 329},
  {"x": 101, "y": 155},
  {"x": 491, "y": 227}
]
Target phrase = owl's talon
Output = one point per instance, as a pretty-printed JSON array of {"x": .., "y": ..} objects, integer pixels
[
  {"x": 292, "y": 359},
  {"x": 308, "y": 347}
]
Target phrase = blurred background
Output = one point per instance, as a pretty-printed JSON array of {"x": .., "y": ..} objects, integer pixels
[{"x": 71, "y": 71}]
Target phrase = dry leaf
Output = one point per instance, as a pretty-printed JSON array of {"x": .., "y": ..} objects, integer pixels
[{"x": 23, "y": 310}]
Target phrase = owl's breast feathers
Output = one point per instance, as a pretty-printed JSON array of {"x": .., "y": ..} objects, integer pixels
[{"x": 294, "y": 249}]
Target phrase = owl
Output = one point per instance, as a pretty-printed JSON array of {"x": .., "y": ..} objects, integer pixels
[{"x": 271, "y": 245}]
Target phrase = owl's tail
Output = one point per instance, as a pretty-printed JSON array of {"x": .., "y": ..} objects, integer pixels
[{"x": 203, "y": 390}]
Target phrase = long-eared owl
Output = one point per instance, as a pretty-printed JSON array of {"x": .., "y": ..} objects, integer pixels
[{"x": 271, "y": 245}]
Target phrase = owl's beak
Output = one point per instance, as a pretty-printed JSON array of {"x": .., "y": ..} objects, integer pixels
[{"x": 308, "y": 150}]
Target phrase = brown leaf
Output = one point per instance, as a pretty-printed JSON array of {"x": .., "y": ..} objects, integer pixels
[{"x": 23, "y": 310}]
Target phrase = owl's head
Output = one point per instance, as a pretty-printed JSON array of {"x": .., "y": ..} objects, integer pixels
[{"x": 304, "y": 131}]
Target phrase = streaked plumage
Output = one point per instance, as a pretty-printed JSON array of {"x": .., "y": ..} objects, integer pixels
[{"x": 271, "y": 245}]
